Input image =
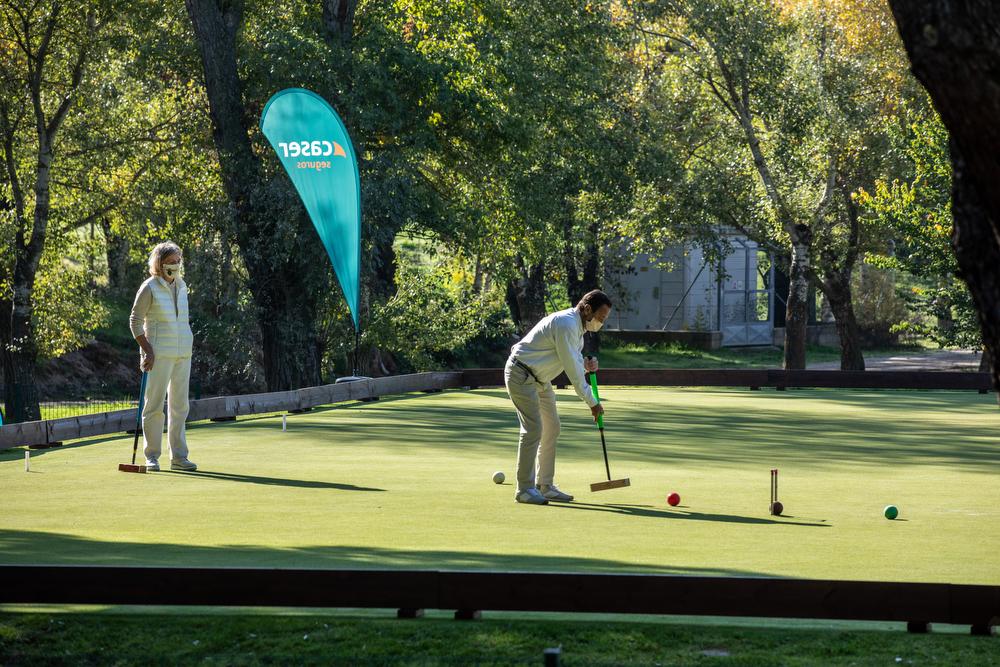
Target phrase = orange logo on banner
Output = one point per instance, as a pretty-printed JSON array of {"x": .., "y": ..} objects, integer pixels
[{"x": 338, "y": 150}]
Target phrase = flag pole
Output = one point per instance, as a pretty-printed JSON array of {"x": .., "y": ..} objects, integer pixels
[{"x": 357, "y": 345}]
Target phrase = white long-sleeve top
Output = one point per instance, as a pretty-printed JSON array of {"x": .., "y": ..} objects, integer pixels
[{"x": 554, "y": 345}]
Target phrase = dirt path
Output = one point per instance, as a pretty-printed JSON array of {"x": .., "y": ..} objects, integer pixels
[{"x": 932, "y": 360}]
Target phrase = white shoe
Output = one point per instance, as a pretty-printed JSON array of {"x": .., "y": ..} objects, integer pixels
[
  {"x": 183, "y": 464},
  {"x": 152, "y": 465},
  {"x": 530, "y": 497},
  {"x": 552, "y": 492}
]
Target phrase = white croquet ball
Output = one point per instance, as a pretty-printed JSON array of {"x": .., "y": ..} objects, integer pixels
[{"x": 499, "y": 477}]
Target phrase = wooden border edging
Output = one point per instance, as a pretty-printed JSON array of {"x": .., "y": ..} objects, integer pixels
[
  {"x": 962, "y": 604},
  {"x": 70, "y": 428},
  {"x": 753, "y": 377}
]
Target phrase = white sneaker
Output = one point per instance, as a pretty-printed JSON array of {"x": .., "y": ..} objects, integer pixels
[
  {"x": 183, "y": 464},
  {"x": 552, "y": 492},
  {"x": 530, "y": 497},
  {"x": 152, "y": 465}
]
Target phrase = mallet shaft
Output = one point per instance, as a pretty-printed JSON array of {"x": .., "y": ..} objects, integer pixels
[{"x": 138, "y": 414}]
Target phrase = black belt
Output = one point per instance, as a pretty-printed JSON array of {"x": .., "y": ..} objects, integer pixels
[{"x": 518, "y": 362}]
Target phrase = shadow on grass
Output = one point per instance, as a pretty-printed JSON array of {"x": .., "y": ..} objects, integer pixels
[
  {"x": 890, "y": 428},
  {"x": 36, "y": 547},
  {"x": 649, "y": 511},
  {"x": 816, "y": 427},
  {"x": 271, "y": 481}
]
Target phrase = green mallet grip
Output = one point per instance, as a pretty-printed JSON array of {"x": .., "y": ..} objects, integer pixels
[{"x": 593, "y": 385}]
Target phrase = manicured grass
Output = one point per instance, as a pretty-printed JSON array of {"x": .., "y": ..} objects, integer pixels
[
  {"x": 238, "y": 639},
  {"x": 675, "y": 355},
  {"x": 405, "y": 482}
]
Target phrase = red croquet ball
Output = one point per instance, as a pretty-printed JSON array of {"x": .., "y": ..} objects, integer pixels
[
  {"x": 674, "y": 499},
  {"x": 777, "y": 508}
]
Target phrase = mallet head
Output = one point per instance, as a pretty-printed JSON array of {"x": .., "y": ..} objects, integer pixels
[
  {"x": 611, "y": 484},
  {"x": 128, "y": 467}
]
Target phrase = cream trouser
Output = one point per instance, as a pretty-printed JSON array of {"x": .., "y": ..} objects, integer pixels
[
  {"x": 175, "y": 374},
  {"x": 536, "y": 409}
]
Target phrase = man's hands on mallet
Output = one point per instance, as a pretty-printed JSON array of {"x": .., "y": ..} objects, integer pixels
[{"x": 590, "y": 365}]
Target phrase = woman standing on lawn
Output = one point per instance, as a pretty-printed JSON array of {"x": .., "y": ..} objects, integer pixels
[{"x": 159, "y": 323}]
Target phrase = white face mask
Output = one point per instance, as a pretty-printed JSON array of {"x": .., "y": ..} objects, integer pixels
[
  {"x": 594, "y": 325},
  {"x": 171, "y": 270}
]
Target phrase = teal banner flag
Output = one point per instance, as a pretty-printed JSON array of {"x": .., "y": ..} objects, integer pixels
[{"x": 312, "y": 144}]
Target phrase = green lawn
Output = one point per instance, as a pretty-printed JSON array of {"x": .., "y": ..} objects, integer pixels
[
  {"x": 125, "y": 637},
  {"x": 675, "y": 355},
  {"x": 405, "y": 482}
]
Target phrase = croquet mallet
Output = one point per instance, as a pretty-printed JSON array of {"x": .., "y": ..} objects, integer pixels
[
  {"x": 125, "y": 467},
  {"x": 611, "y": 483}
]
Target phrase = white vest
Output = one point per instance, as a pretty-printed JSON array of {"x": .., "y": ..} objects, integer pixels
[{"x": 166, "y": 327}]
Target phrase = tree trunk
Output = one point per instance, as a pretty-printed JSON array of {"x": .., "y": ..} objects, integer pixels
[
  {"x": 292, "y": 355},
  {"x": 338, "y": 18},
  {"x": 17, "y": 333},
  {"x": 283, "y": 286},
  {"x": 6, "y": 368},
  {"x": 591, "y": 262},
  {"x": 797, "y": 310},
  {"x": 20, "y": 351},
  {"x": 954, "y": 47},
  {"x": 526, "y": 298},
  {"x": 574, "y": 286},
  {"x": 577, "y": 285},
  {"x": 477, "y": 277},
  {"x": 117, "y": 250},
  {"x": 835, "y": 281},
  {"x": 838, "y": 292},
  {"x": 978, "y": 253},
  {"x": 18, "y": 363}
]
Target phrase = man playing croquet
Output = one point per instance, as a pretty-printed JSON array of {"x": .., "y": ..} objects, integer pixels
[{"x": 554, "y": 345}]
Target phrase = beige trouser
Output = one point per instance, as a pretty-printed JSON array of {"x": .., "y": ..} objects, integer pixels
[
  {"x": 175, "y": 374},
  {"x": 536, "y": 409}
]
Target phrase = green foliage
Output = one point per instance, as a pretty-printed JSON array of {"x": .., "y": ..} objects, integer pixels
[
  {"x": 501, "y": 134},
  {"x": 878, "y": 306},
  {"x": 67, "y": 309},
  {"x": 436, "y": 320},
  {"x": 917, "y": 208}
]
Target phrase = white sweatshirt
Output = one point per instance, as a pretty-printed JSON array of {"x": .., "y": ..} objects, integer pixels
[{"x": 554, "y": 345}]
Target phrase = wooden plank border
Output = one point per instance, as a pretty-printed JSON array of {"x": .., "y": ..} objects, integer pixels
[
  {"x": 920, "y": 603},
  {"x": 755, "y": 378},
  {"x": 119, "y": 421}
]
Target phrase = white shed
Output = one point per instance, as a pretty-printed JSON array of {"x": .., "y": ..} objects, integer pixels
[{"x": 681, "y": 292}]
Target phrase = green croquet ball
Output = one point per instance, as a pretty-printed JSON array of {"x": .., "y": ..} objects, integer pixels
[
  {"x": 498, "y": 477},
  {"x": 891, "y": 512}
]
